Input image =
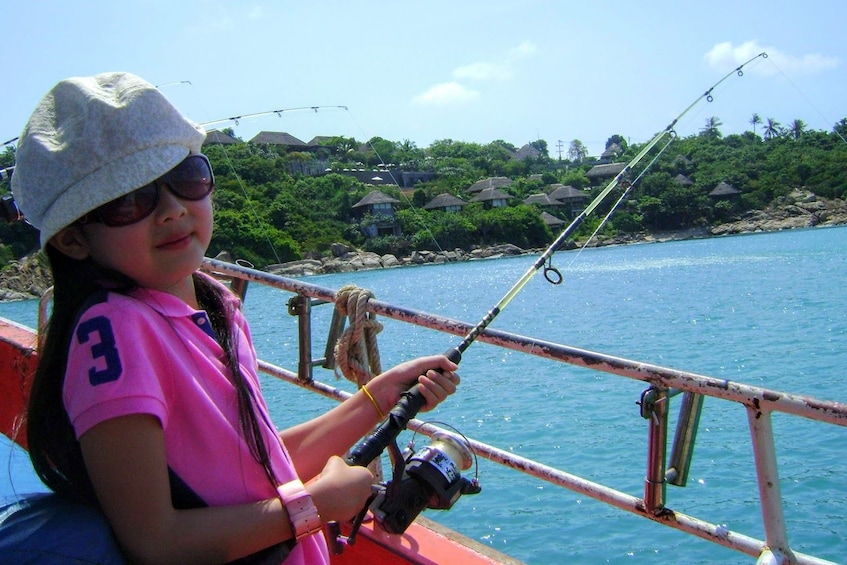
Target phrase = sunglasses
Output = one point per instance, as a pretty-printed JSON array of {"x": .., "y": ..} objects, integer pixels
[{"x": 190, "y": 180}]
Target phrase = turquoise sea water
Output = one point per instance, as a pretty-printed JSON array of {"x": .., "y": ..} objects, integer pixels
[{"x": 765, "y": 309}]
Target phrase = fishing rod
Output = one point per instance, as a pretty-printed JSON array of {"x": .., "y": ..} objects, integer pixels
[
  {"x": 269, "y": 112},
  {"x": 432, "y": 478},
  {"x": 412, "y": 400},
  {"x": 255, "y": 114},
  {"x": 235, "y": 119}
]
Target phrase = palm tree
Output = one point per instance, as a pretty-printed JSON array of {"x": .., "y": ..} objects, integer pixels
[
  {"x": 755, "y": 120},
  {"x": 797, "y": 128},
  {"x": 712, "y": 125},
  {"x": 771, "y": 129}
]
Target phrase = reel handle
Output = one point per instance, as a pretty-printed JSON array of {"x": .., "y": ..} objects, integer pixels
[{"x": 406, "y": 408}]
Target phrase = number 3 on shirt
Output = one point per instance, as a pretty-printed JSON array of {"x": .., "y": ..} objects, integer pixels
[{"x": 104, "y": 348}]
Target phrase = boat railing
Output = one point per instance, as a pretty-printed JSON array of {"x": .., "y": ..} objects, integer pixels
[{"x": 663, "y": 383}]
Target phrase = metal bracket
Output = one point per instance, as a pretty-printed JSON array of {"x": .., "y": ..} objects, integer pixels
[
  {"x": 683, "y": 442},
  {"x": 301, "y": 306},
  {"x": 654, "y": 406}
]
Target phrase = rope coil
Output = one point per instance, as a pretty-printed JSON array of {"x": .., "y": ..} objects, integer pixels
[{"x": 357, "y": 353}]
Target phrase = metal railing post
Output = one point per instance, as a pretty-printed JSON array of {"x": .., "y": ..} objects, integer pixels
[{"x": 770, "y": 494}]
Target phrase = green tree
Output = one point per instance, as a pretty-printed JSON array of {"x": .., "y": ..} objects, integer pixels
[
  {"x": 261, "y": 244},
  {"x": 619, "y": 140},
  {"x": 520, "y": 225},
  {"x": 771, "y": 129},
  {"x": 265, "y": 214},
  {"x": 446, "y": 230},
  {"x": 711, "y": 127},
  {"x": 755, "y": 120},
  {"x": 796, "y": 129},
  {"x": 577, "y": 151}
]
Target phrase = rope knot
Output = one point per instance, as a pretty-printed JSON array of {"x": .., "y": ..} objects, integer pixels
[{"x": 356, "y": 353}]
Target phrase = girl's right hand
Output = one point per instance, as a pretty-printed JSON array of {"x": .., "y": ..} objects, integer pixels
[{"x": 341, "y": 490}]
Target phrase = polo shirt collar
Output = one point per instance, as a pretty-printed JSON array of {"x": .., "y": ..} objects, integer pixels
[{"x": 164, "y": 303}]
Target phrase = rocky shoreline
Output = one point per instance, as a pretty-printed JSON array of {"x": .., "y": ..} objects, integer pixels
[
  {"x": 801, "y": 209},
  {"x": 347, "y": 260},
  {"x": 29, "y": 278}
]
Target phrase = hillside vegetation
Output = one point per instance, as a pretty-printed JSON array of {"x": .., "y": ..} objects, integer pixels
[{"x": 274, "y": 205}]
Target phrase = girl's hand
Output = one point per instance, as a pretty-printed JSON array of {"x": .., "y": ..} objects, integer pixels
[
  {"x": 434, "y": 374},
  {"x": 341, "y": 490}
]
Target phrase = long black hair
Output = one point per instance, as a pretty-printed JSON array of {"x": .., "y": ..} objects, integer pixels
[{"x": 53, "y": 448}]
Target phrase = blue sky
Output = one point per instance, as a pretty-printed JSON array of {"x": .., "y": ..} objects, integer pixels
[{"x": 471, "y": 71}]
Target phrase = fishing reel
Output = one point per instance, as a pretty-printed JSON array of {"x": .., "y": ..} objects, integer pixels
[{"x": 429, "y": 478}]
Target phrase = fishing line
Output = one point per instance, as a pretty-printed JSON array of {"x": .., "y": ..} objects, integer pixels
[
  {"x": 669, "y": 130},
  {"x": 627, "y": 189},
  {"x": 279, "y": 113},
  {"x": 823, "y": 118},
  {"x": 5, "y": 173},
  {"x": 231, "y": 164},
  {"x": 247, "y": 199},
  {"x": 412, "y": 400},
  {"x": 394, "y": 179},
  {"x": 161, "y": 86}
]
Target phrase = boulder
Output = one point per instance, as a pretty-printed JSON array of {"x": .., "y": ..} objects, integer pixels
[
  {"x": 389, "y": 260},
  {"x": 339, "y": 249}
]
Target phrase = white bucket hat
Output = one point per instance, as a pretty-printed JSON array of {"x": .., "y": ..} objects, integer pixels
[{"x": 91, "y": 140}]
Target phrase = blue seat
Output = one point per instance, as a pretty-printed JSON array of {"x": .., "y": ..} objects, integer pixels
[{"x": 44, "y": 528}]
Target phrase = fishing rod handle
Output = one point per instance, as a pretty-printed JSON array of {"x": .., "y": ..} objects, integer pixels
[{"x": 406, "y": 408}]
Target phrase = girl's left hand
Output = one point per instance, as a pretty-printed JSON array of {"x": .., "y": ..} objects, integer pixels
[{"x": 434, "y": 374}]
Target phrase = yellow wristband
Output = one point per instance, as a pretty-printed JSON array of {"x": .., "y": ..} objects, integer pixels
[{"x": 373, "y": 401}]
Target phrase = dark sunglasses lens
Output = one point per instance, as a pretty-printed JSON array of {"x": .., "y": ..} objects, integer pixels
[
  {"x": 130, "y": 208},
  {"x": 191, "y": 179}
]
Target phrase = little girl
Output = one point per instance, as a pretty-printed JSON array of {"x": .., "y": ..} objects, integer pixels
[{"x": 146, "y": 402}]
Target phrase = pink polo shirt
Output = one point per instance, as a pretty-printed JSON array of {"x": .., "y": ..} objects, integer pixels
[{"x": 151, "y": 353}]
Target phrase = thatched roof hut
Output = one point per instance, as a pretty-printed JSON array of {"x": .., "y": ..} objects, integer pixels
[
  {"x": 445, "y": 201},
  {"x": 277, "y": 138},
  {"x": 490, "y": 182},
  {"x": 724, "y": 189}
]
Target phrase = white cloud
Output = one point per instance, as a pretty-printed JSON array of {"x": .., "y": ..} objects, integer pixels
[
  {"x": 446, "y": 94},
  {"x": 483, "y": 71},
  {"x": 724, "y": 56},
  {"x": 487, "y": 70},
  {"x": 454, "y": 92},
  {"x": 525, "y": 49}
]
